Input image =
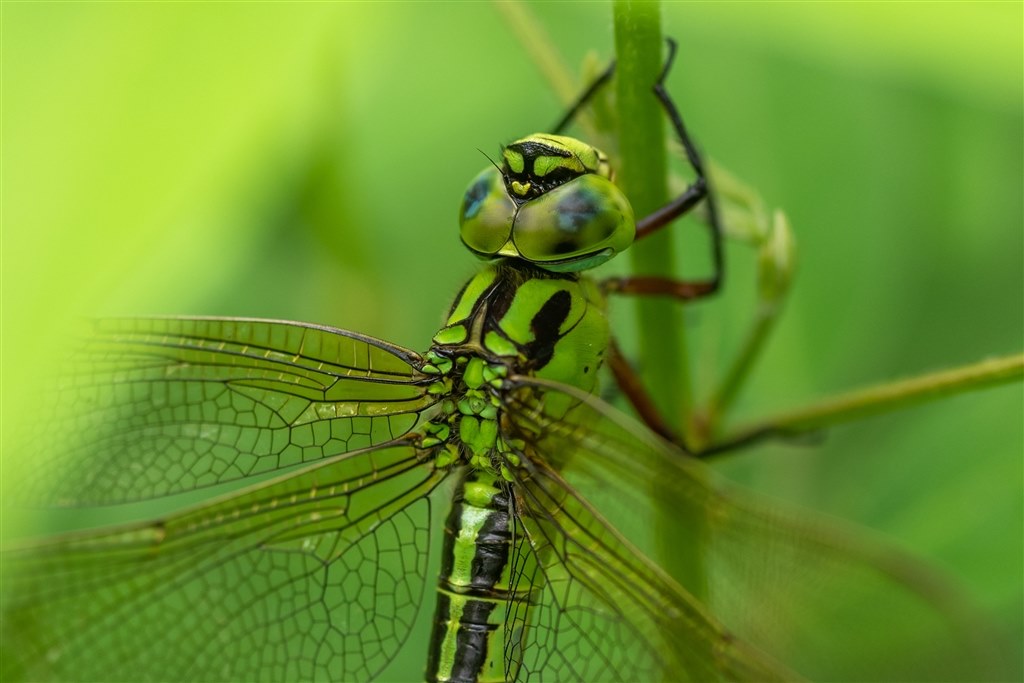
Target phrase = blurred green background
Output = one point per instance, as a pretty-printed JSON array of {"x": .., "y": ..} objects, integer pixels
[{"x": 307, "y": 162}]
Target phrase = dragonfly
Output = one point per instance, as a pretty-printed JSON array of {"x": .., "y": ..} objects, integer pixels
[{"x": 341, "y": 452}]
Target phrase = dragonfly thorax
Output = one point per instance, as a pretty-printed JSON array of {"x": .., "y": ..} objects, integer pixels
[
  {"x": 467, "y": 430},
  {"x": 551, "y": 202},
  {"x": 509, "y": 320}
]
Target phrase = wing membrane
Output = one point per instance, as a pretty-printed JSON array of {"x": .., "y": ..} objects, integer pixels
[
  {"x": 152, "y": 407},
  {"x": 817, "y": 595},
  {"x": 608, "y": 614},
  {"x": 317, "y": 575}
]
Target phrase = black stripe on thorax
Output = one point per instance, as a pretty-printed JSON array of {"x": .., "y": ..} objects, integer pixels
[{"x": 546, "y": 326}]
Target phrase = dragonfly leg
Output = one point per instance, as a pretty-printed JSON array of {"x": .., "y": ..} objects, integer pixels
[
  {"x": 632, "y": 386},
  {"x": 647, "y": 285},
  {"x": 697, "y": 191}
]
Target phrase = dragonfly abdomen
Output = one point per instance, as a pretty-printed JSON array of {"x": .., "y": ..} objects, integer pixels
[{"x": 481, "y": 615}]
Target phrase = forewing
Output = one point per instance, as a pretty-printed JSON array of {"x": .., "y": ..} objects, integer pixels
[
  {"x": 317, "y": 575},
  {"x": 829, "y": 602},
  {"x": 152, "y": 407}
]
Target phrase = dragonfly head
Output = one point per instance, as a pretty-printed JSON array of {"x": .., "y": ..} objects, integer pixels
[{"x": 550, "y": 202}]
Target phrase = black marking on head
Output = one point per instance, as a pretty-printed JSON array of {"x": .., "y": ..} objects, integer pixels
[{"x": 531, "y": 150}]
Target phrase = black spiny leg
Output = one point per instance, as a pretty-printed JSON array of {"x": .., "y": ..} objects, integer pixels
[{"x": 685, "y": 290}]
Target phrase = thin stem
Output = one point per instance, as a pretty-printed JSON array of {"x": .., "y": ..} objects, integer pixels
[
  {"x": 881, "y": 399},
  {"x": 722, "y": 399},
  {"x": 776, "y": 257}
]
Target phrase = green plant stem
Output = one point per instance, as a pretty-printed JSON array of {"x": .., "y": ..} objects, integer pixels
[
  {"x": 640, "y": 49},
  {"x": 776, "y": 263},
  {"x": 882, "y": 398},
  {"x": 721, "y": 401}
]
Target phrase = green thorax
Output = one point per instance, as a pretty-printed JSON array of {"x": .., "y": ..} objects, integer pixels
[{"x": 510, "y": 319}]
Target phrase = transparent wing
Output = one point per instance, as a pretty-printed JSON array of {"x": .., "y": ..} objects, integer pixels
[
  {"x": 814, "y": 594},
  {"x": 152, "y": 407},
  {"x": 317, "y": 575},
  {"x": 606, "y": 612}
]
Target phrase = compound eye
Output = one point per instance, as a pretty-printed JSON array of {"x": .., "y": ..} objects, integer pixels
[
  {"x": 584, "y": 218},
  {"x": 485, "y": 220}
]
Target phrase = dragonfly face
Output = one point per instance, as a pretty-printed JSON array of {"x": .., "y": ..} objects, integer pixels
[{"x": 551, "y": 203}]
